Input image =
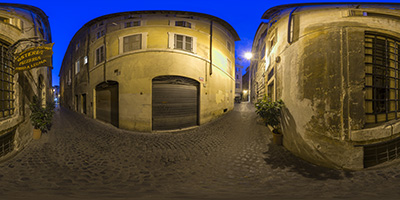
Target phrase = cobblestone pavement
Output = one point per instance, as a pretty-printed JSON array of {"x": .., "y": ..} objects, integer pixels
[{"x": 229, "y": 158}]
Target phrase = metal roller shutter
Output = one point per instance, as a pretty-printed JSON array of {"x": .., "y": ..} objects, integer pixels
[
  {"x": 107, "y": 106},
  {"x": 175, "y": 103}
]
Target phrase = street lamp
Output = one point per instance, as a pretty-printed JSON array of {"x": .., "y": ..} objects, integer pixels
[{"x": 248, "y": 55}]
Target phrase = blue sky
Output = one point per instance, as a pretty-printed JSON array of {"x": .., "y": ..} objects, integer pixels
[{"x": 67, "y": 17}]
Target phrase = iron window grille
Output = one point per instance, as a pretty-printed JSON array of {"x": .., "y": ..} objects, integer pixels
[
  {"x": 375, "y": 154},
  {"x": 382, "y": 77},
  {"x": 6, "y": 83},
  {"x": 7, "y": 142}
]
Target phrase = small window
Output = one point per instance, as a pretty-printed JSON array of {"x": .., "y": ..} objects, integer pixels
[
  {"x": 4, "y": 20},
  {"x": 100, "y": 55},
  {"x": 100, "y": 34},
  {"x": 69, "y": 77},
  {"x": 133, "y": 42},
  {"x": 77, "y": 66},
  {"x": 85, "y": 60},
  {"x": 77, "y": 46},
  {"x": 183, "y": 42},
  {"x": 183, "y": 24},
  {"x": 238, "y": 85},
  {"x": 131, "y": 24},
  {"x": 229, "y": 46},
  {"x": 228, "y": 66}
]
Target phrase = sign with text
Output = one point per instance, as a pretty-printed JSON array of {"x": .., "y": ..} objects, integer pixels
[{"x": 34, "y": 57}]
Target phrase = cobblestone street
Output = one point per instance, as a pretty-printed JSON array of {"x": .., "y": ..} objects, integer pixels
[{"x": 229, "y": 158}]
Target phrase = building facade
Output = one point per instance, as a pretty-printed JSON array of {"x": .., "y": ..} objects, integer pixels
[
  {"x": 238, "y": 81},
  {"x": 151, "y": 70},
  {"x": 22, "y": 27},
  {"x": 336, "y": 67}
]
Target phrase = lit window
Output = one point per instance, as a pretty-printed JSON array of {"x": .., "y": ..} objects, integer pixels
[
  {"x": 6, "y": 83},
  {"x": 183, "y": 24},
  {"x": 183, "y": 42},
  {"x": 100, "y": 55},
  {"x": 132, "y": 24},
  {"x": 382, "y": 83},
  {"x": 132, "y": 42},
  {"x": 85, "y": 60}
]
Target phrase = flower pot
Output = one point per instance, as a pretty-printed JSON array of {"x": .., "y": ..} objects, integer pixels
[
  {"x": 277, "y": 138},
  {"x": 37, "y": 133}
]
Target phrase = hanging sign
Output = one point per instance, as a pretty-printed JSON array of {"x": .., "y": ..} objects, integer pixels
[{"x": 34, "y": 57}]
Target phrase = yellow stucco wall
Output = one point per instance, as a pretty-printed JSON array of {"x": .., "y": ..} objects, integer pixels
[{"x": 135, "y": 70}]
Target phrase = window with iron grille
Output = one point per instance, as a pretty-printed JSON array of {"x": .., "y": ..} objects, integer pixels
[
  {"x": 132, "y": 42},
  {"x": 7, "y": 142},
  {"x": 183, "y": 42},
  {"x": 382, "y": 77},
  {"x": 6, "y": 83}
]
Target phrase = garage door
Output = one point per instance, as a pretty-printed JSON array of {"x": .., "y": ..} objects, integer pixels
[
  {"x": 175, "y": 103},
  {"x": 107, "y": 106}
]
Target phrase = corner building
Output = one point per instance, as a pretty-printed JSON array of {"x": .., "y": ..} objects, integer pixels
[
  {"x": 151, "y": 70},
  {"x": 21, "y": 27},
  {"x": 336, "y": 66}
]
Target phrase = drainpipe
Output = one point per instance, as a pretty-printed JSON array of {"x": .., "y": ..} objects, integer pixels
[
  {"x": 105, "y": 51},
  {"x": 211, "y": 46},
  {"x": 87, "y": 55},
  {"x": 289, "y": 39}
]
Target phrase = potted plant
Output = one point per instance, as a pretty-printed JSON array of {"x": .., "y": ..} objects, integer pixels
[
  {"x": 41, "y": 116},
  {"x": 270, "y": 112}
]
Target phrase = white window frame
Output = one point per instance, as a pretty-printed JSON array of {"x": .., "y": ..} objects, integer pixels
[
  {"x": 171, "y": 42},
  {"x": 131, "y": 22},
  {"x": 173, "y": 23},
  {"x": 144, "y": 42},
  {"x": 77, "y": 66},
  {"x": 104, "y": 56}
]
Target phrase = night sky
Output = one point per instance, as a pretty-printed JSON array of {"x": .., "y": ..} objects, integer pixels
[{"x": 67, "y": 17}]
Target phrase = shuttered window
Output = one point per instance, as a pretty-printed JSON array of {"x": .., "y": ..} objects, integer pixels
[
  {"x": 99, "y": 55},
  {"x": 132, "y": 42}
]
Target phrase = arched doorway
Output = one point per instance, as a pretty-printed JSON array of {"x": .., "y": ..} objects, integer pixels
[
  {"x": 107, "y": 102},
  {"x": 175, "y": 102}
]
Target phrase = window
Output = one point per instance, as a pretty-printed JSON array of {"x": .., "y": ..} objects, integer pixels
[
  {"x": 183, "y": 42},
  {"x": 77, "y": 46},
  {"x": 100, "y": 55},
  {"x": 238, "y": 85},
  {"x": 4, "y": 20},
  {"x": 69, "y": 77},
  {"x": 85, "y": 60},
  {"x": 6, "y": 83},
  {"x": 228, "y": 66},
  {"x": 382, "y": 77},
  {"x": 132, "y": 42},
  {"x": 183, "y": 24},
  {"x": 271, "y": 90},
  {"x": 131, "y": 24},
  {"x": 100, "y": 34},
  {"x": 229, "y": 46},
  {"x": 77, "y": 66},
  {"x": 262, "y": 52}
]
